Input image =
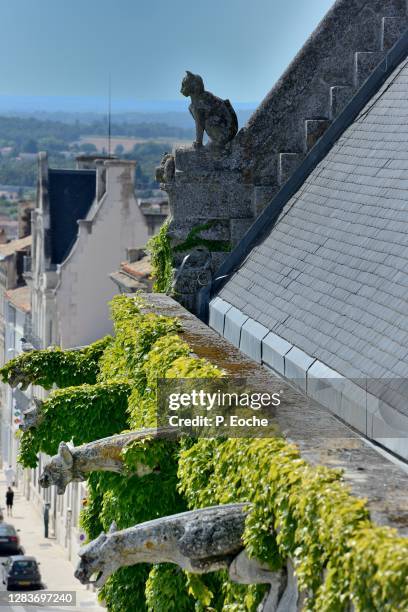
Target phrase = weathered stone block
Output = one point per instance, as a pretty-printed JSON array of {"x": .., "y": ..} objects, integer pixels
[
  {"x": 204, "y": 228},
  {"x": 364, "y": 63},
  {"x": 287, "y": 164},
  {"x": 188, "y": 300},
  {"x": 191, "y": 280},
  {"x": 340, "y": 95},
  {"x": 314, "y": 129},
  {"x": 392, "y": 29},
  {"x": 213, "y": 200},
  {"x": 238, "y": 227},
  {"x": 263, "y": 195},
  {"x": 204, "y": 162}
]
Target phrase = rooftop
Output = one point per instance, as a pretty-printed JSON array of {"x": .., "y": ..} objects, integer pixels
[
  {"x": 138, "y": 269},
  {"x": 331, "y": 277},
  {"x": 20, "y": 298},
  {"x": 15, "y": 245},
  {"x": 71, "y": 193},
  {"x": 134, "y": 276}
]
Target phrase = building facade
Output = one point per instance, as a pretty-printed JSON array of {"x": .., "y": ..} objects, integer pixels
[
  {"x": 16, "y": 309},
  {"x": 84, "y": 225}
]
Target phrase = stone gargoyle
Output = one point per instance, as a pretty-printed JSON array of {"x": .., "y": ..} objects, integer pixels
[
  {"x": 194, "y": 272},
  {"x": 211, "y": 114},
  {"x": 198, "y": 541},
  {"x": 18, "y": 376},
  {"x": 32, "y": 416},
  {"x": 105, "y": 455},
  {"x": 165, "y": 172}
]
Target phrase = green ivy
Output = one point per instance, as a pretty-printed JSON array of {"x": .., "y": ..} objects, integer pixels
[
  {"x": 297, "y": 510},
  {"x": 54, "y": 366},
  {"x": 194, "y": 239},
  {"x": 166, "y": 590},
  {"x": 80, "y": 414},
  {"x": 162, "y": 251},
  {"x": 162, "y": 259},
  {"x": 305, "y": 513},
  {"x": 135, "y": 334}
]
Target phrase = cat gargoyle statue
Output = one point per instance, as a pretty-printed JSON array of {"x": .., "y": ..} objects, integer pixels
[{"x": 211, "y": 114}]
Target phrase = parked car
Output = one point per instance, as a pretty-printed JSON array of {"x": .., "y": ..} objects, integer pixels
[
  {"x": 9, "y": 540},
  {"x": 20, "y": 571}
]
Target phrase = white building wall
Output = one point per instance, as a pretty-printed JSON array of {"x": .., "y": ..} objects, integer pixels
[
  {"x": 114, "y": 224},
  {"x": 70, "y": 304},
  {"x": 15, "y": 401}
]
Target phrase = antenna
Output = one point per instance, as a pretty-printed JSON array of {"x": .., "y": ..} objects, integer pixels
[{"x": 109, "y": 114}]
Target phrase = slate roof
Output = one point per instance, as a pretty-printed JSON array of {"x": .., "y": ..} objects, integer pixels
[
  {"x": 332, "y": 275},
  {"x": 71, "y": 193}
]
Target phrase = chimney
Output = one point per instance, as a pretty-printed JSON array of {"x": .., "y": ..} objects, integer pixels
[
  {"x": 89, "y": 162},
  {"x": 24, "y": 217}
]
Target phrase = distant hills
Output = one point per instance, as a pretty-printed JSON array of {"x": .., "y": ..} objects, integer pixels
[
  {"x": 67, "y": 126},
  {"x": 69, "y": 109}
]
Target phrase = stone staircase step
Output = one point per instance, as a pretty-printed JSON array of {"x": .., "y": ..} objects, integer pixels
[
  {"x": 340, "y": 95},
  {"x": 287, "y": 164},
  {"x": 392, "y": 29},
  {"x": 314, "y": 129},
  {"x": 364, "y": 64}
]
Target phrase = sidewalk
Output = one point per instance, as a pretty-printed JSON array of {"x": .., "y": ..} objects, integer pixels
[{"x": 57, "y": 572}]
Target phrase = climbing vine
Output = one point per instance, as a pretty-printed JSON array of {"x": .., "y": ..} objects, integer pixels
[
  {"x": 54, "y": 366},
  {"x": 300, "y": 511},
  {"x": 305, "y": 513},
  {"x": 80, "y": 414},
  {"x": 194, "y": 239},
  {"x": 161, "y": 255},
  {"x": 162, "y": 251}
]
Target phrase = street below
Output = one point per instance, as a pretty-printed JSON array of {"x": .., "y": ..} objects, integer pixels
[{"x": 56, "y": 570}]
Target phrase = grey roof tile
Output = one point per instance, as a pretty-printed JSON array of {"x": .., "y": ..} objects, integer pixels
[{"x": 332, "y": 276}]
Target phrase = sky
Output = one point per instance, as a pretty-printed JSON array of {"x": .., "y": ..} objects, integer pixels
[{"x": 69, "y": 47}]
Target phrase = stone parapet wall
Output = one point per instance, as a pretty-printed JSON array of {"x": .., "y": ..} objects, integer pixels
[
  {"x": 211, "y": 207},
  {"x": 337, "y": 58}
]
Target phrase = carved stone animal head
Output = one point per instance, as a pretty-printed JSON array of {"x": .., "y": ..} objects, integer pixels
[
  {"x": 192, "y": 84},
  {"x": 59, "y": 471},
  {"x": 18, "y": 377},
  {"x": 165, "y": 172},
  {"x": 31, "y": 417},
  {"x": 97, "y": 559}
]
